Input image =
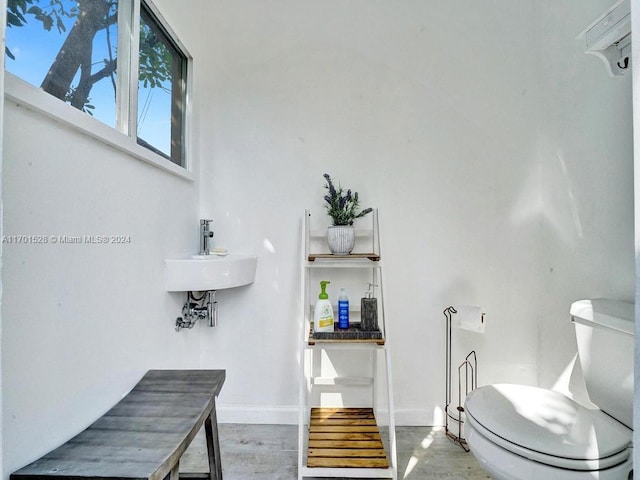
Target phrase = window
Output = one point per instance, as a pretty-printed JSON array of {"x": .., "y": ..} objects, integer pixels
[
  {"x": 82, "y": 52},
  {"x": 161, "y": 89}
]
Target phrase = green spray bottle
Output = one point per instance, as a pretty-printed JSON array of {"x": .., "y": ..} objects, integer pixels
[{"x": 323, "y": 313}]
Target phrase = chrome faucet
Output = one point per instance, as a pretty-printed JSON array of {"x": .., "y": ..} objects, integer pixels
[{"x": 205, "y": 235}]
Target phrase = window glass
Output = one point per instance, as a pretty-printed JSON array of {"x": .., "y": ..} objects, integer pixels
[
  {"x": 67, "y": 48},
  {"x": 161, "y": 87}
]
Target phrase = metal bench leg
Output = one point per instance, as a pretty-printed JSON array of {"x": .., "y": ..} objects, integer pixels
[{"x": 213, "y": 445}]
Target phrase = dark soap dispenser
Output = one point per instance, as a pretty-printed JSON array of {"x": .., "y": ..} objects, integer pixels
[{"x": 369, "y": 311}]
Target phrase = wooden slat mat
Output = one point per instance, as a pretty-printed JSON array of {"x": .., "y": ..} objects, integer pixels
[{"x": 345, "y": 437}]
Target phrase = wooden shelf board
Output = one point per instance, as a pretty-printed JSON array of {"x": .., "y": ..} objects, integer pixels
[
  {"x": 345, "y": 438},
  {"x": 374, "y": 257},
  {"x": 351, "y": 335}
]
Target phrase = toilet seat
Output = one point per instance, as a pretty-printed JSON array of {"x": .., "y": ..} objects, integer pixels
[{"x": 547, "y": 427}]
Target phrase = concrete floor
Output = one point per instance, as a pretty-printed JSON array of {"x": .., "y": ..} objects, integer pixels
[{"x": 269, "y": 452}]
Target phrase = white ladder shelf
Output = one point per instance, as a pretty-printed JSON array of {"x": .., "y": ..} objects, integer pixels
[{"x": 345, "y": 382}]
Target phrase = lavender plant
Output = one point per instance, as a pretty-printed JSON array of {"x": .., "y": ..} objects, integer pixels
[{"x": 342, "y": 206}]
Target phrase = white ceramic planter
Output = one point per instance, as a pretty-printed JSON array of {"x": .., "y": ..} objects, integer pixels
[{"x": 341, "y": 239}]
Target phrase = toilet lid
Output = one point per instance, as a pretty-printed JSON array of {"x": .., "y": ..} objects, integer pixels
[{"x": 547, "y": 426}]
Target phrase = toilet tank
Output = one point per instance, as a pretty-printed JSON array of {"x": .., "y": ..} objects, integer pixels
[{"x": 604, "y": 332}]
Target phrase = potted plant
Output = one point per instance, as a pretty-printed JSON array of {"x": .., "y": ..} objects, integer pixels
[{"x": 343, "y": 208}]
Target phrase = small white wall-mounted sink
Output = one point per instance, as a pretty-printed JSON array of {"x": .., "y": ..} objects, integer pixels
[{"x": 197, "y": 273}]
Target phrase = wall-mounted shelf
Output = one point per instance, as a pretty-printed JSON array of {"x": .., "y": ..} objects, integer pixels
[{"x": 609, "y": 38}]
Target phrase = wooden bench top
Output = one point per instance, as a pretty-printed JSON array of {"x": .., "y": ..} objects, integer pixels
[{"x": 143, "y": 436}]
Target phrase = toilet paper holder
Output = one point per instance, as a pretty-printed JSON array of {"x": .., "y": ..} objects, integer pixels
[{"x": 469, "y": 369}]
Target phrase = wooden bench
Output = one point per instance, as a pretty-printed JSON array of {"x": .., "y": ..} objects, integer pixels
[{"x": 144, "y": 435}]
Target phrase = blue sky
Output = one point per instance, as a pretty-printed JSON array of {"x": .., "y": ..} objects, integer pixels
[{"x": 35, "y": 49}]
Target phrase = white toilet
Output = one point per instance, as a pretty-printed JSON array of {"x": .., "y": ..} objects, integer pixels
[{"x": 518, "y": 432}]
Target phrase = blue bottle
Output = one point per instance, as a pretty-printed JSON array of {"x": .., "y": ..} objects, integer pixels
[{"x": 343, "y": 309}]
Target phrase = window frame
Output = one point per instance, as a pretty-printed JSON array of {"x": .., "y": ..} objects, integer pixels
[
  {"x": 178, "y": 84},
  {"x": 124, "y": 136}
]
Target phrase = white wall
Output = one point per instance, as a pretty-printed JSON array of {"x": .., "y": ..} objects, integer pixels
[
  {"x": 586, "y": 158},
  {"x": 429, "y": 111},
  {"x": 498, "y": 153},
  {"x": 82, "y": 323}
]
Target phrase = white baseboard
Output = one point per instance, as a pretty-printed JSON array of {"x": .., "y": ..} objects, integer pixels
[
  {"x": 257, "y": 414},
  {"x": 407, "y": 417},
  {"x": 288, "y": 415}
]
